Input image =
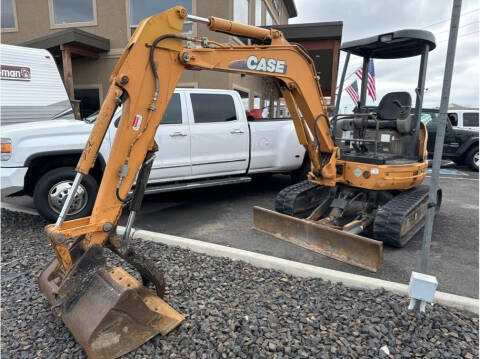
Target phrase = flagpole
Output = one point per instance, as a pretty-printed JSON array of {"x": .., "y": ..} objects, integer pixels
[
  {"x": 342, "y": 80},
  {"x": 363, "y": 92}
]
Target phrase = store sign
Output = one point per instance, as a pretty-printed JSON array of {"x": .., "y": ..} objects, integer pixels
[{"x": 15, "y": 73}]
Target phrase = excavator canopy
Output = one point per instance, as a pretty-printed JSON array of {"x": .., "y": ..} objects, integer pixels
[{"x": 393, "y": 45}]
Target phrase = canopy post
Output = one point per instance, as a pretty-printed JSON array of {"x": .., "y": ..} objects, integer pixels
[{"x": 419, "y": 91}]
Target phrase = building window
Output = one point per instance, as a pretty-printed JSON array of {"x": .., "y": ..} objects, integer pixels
[
  {"x": 241, "y": 11},
  {"x": 283, "y": 111},
  {"x": 266, "y": 106},
  {"x": 73, "y": 12},
  {"x": 256, "y": 102},
  {"x": 9, "y": 19},
  {"x": 277, "y": 7},
  {"x": 140, "y": 9},
  {"x": 258, "y": 12},
  {"x": 268, "y": 18},
  {"x": 89, "y": 101}
]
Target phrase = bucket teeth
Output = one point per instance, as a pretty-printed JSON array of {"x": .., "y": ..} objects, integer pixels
[{"x": 108, "y": 311}]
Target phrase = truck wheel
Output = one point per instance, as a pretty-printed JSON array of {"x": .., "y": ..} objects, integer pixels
[
  {"x": 301, "y": 173},
  {"x": 472, "y": 158},
  {"x": 52, "y": 189}
]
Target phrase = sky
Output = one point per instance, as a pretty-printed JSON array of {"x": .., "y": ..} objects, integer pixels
[{"x": 364, "y": 18}]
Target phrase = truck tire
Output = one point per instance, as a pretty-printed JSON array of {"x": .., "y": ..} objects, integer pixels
[
  {"x": 472, "y": 158},
  {"x": 301, "y": 173},
  {"x": 51, "y": 191}
]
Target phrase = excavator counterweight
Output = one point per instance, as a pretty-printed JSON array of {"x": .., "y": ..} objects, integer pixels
[{"x": 111, "y": 311}]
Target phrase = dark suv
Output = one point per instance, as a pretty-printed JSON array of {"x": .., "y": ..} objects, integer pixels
[{"x": 460, "y": 145}]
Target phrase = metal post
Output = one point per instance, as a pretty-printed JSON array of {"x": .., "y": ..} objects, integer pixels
[
  {"x": 420, "y": 90},
  {"x": 363, "y": 92},
  {"x": 437, "y": 156},
  {"x": 68, "y": 202},
  {"x": 342, "y": 80},
  {"x": 128, "y": 229}
]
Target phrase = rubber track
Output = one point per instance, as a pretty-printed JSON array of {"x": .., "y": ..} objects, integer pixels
[
  {"x": 389, "y": 219},
  {"x": 285, "y": 200}
]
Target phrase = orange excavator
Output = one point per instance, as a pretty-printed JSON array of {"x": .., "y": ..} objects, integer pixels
[{"x": 106, "y": 308}]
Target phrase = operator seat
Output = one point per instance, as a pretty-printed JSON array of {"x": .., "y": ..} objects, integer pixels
[
  {"x": 395, "y": 108},
  {"x": 393, "y": 112},
  {"x": 394, "y": 129}
]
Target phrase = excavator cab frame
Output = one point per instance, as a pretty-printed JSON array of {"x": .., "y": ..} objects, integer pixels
[
  {"x": 393, "y": 45},
  {"x": 373, "y": 145}
]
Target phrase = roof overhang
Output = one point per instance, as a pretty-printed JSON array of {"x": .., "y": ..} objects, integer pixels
[
  {"x": 73, "y": 37},
  {"x": 311, "y": 31},
  {"x": 321, "y": 40}
]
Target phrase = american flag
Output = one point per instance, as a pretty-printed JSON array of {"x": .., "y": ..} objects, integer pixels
[
  {"x": 371, "y": 89},
  {"x": 352, "y": 90}
]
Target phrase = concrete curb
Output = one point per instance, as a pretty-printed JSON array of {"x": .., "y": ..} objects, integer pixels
[
  {"x": 300, "y": 269},
  {"x": 16, "y": 208}
]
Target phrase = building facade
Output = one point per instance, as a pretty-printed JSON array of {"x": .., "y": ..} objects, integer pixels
[{"x": 87, "y": 37}]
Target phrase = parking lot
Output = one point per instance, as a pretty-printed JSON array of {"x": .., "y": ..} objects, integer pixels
[{"x": 223, "y": 215}]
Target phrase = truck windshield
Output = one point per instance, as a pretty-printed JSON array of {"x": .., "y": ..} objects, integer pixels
[{"x": 68, "y": 114}]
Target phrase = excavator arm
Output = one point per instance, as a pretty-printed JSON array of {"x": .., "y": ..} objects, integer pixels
[
  {"x": 82, "y": 287},
  {"x": 143, "y": 82}
]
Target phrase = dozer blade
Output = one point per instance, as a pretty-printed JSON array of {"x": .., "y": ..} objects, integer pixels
[
  {"x": 346, "y": 247},
  {"x": 107, "y": 310}
]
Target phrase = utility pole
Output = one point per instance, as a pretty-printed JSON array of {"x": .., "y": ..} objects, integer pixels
[
  {"x": 419, "y": 303},
  {"x": 440, "y": 137}
]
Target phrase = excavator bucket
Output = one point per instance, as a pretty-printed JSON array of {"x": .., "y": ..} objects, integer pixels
[
  {"x": 346, "y": 247},
  {"x": 107, "y": 310}
]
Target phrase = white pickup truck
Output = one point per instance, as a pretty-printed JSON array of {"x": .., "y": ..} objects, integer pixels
[{"x": 204, "y": 140}]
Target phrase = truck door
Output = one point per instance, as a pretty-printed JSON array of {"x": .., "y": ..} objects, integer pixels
[
  {"x": 219, "y": 134},
  {"x": 173, "y": 139},
  {"x": 431, "y": 121}
]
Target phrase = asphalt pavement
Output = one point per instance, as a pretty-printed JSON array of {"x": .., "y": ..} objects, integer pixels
[{"x": 224, "y": 215}]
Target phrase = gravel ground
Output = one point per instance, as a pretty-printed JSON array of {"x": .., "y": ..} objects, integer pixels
[{"x": 232, "y": 309}]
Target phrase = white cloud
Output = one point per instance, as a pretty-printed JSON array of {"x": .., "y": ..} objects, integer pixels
[{"x": 362, "y": 18}]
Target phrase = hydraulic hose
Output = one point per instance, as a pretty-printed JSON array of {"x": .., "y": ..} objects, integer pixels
[{"x": 153, "y": 64}]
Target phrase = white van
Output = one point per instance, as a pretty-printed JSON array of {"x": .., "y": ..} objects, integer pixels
[
  {"x": 464, "y": 119},
  {"x": 31, "y": 88}
]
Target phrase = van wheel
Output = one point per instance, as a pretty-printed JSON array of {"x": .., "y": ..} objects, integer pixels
[
  {"x": 472, "y": 159},
  {"x": 52, "y": 189},
  {"x": 301, "y": 173}
]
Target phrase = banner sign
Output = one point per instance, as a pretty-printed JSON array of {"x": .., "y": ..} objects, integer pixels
[{"x": 15, "y": 73}]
